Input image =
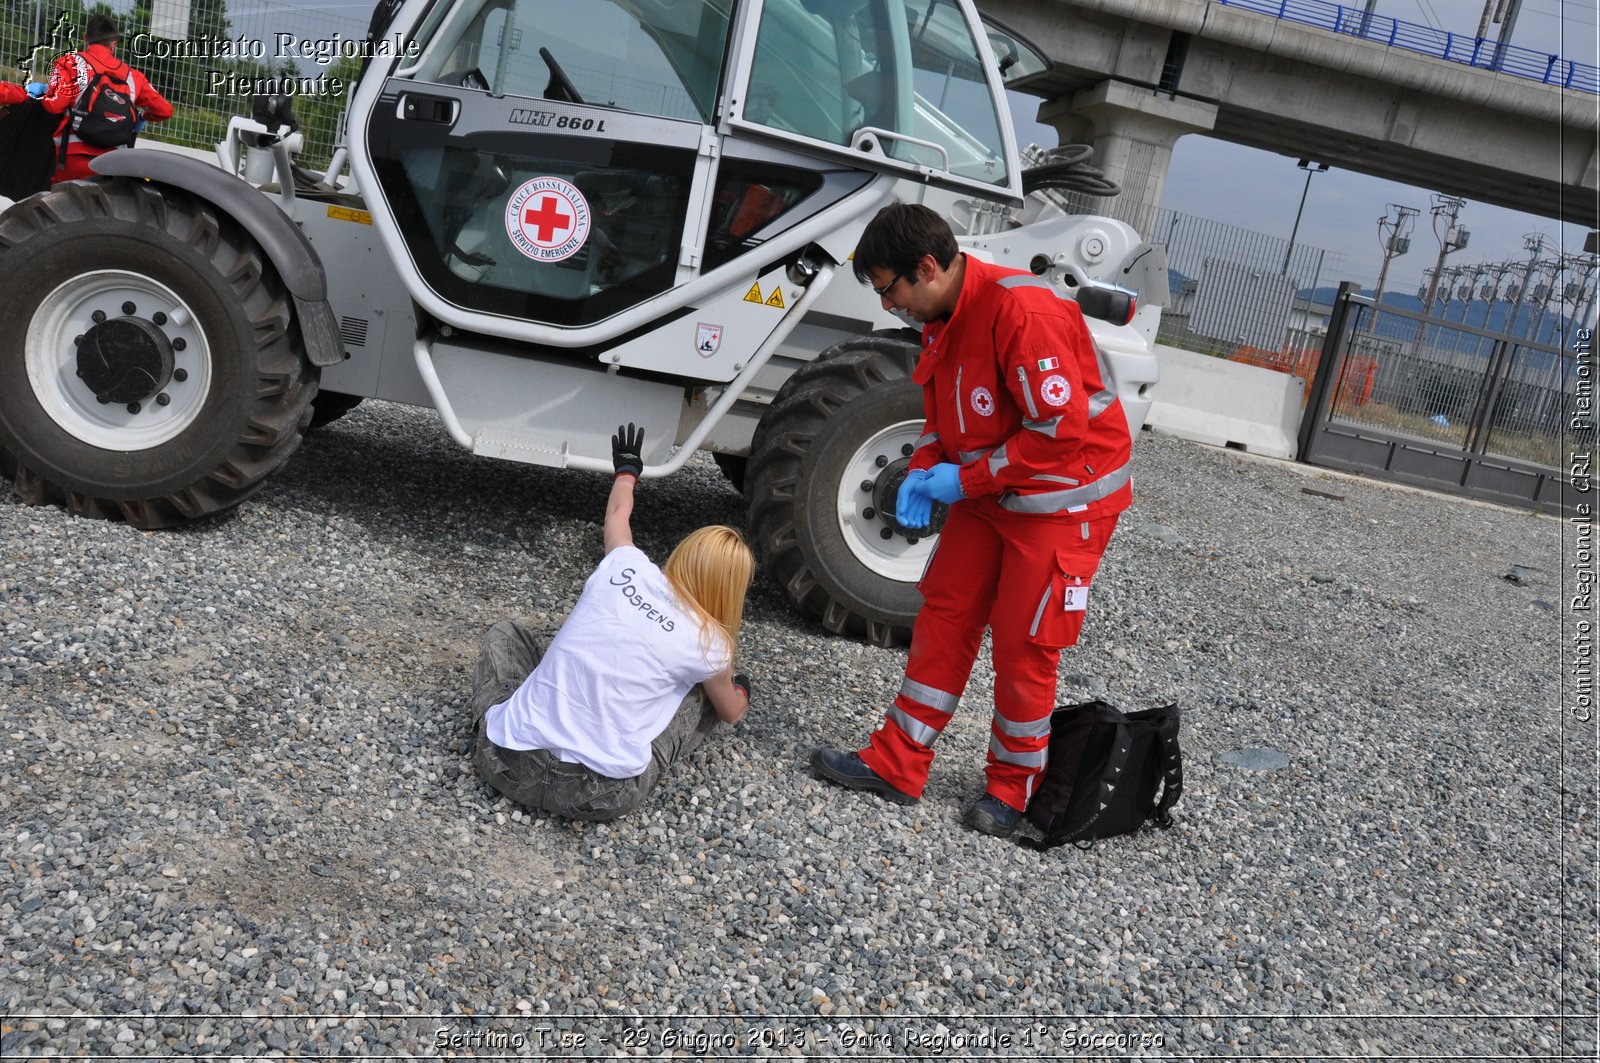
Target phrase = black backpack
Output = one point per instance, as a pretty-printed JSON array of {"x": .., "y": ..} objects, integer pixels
[
  {"x": 1103, "y": 774},
  {"x": 103, "y": 116}
]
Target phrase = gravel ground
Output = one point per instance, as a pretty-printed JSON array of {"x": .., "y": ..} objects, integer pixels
[{"x": 240, "y": 818}]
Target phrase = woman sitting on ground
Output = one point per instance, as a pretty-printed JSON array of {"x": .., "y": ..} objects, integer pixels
[{"x": 638, "y": 675}]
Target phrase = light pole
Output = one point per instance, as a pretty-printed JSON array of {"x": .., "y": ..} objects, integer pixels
[{"x": 1310, "y": 168}]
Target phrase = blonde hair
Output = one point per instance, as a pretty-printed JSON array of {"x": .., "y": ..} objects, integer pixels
[{"x": 711, "y": 572}]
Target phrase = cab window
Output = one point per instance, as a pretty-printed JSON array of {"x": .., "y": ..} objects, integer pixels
[
  {"x": 660, "y": 57},
  {"x": 827, "y": 69}
]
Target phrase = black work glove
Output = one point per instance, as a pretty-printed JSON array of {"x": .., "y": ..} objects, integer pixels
[
  {"x": 742, "y": 681},
  {"x": 625, "y": 447}
]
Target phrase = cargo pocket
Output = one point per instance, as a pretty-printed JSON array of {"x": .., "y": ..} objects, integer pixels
[{"x": 1059, "y": 608}]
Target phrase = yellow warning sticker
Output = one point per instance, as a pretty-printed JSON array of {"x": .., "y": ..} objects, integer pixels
[
  {"x": 776, "y": 299},
  {"x": 754, "y": 294},
  {"x": 360, "y": 217}
]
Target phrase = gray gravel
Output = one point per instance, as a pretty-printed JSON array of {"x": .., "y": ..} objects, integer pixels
[{"x": 238, "y": 814}]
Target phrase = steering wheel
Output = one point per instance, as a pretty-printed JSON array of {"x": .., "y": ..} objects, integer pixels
[{"x": 561, "y": 86}]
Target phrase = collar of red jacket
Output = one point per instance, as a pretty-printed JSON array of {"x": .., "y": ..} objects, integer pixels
[{"x": 101, "y": 57}]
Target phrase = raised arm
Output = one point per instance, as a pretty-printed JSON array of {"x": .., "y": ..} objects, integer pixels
[{"x": 626, "y": 446}]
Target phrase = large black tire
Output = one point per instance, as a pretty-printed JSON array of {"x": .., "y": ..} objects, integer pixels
[
  {"x": 825, "y": 464},
  {"x": 149, "y": 364}
]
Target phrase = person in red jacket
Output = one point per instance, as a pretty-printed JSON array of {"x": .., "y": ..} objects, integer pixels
[
  {"x": 72, "y": 73},
  {"x": 1028, "y": 444},
  {"x": 11, "y": 95}
]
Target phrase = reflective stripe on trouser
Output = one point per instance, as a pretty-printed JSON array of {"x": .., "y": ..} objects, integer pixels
[{"x": 1007, "y": 572}]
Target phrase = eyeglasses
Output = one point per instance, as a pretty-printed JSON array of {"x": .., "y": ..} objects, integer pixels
[{"x": 883, "y": 293}]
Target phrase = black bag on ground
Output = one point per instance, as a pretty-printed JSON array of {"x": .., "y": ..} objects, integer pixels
[{"x": 1105, "y": 770}]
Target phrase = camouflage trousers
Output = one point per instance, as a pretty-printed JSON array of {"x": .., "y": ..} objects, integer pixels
[{"x": 535, "y": 778}]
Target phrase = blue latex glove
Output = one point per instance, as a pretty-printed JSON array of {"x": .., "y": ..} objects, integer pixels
[
  {"x": 944, "y": 483},
  {"x": 36, "y": 89},
  {"x": 912, "y": 506}
]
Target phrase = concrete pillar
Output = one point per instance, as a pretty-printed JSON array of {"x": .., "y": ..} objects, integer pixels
[{"x": 1133, "y": 131}]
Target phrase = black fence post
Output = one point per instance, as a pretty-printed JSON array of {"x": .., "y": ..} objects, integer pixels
[{"x": 1319, "y": 400}]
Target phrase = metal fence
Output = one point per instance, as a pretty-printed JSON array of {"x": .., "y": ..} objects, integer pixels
[
  {"x": 1241, "y": 294},
  {"x": 1455, "y": 47},
  {"x": 208, "y": 61},
  {"x": 1448, "y": 405}
]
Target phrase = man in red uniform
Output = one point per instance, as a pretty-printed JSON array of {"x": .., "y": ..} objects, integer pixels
[
  {"x": 72, "y": 74},
  {"x": 1028, "y": 444}
]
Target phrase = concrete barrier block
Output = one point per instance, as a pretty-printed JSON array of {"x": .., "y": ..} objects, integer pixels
[{"x": 1227, "y": 404}]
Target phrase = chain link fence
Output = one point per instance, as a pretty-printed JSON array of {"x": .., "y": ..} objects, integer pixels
[{"x": 207, "y": 59}]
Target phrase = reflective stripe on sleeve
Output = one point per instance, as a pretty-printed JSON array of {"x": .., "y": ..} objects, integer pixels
[
  {"x": 1024, "y": 280},
  {"x": 927, "y": 440},
  {"x": 1100, "y": 402},
  {"x": 1047, "y": 428}
]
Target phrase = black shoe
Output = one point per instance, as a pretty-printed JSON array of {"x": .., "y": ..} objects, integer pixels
[
  {"x": 990, "y": 815},
  {"x": 848, "y": 770}
]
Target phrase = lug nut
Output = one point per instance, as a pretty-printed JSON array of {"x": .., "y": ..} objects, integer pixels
[
  {"x": 887, "y": 533},
  {"x": 880, "y": 461},
  {"x": 179, "y": 344},
  {"x": 866, "y": 485},
  {"x": 77, "y": 341},
  {"x": 163, "y": 399},
  {"x": 98, "y": 316},
  {"x": 129, "y": 309},
  {"x": 868, "y": 513},
  {"x": 180, "y": 375},
  {"x": 906, "y": 449},
  {"x": 134, "y": 407},
  {"x": 103, "y": 400},
  {"x": 159, "y": 318}
]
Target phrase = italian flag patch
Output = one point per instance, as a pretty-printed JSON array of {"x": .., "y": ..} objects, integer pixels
[{"x": 1047, "y": 364}]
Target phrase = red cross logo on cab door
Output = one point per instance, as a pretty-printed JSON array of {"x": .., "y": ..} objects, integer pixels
[{"x": 547, "y": 219}]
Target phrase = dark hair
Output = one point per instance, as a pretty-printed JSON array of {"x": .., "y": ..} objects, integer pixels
[
  {"x": 897, "y": 238},
  {"x": 101, "y": 28}
]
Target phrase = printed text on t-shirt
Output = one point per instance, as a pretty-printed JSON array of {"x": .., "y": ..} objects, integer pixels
[{"x": 624, "y": 581}]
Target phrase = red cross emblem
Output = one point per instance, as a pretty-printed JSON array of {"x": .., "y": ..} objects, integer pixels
[
  {"x": 547, "y": 219},
  {"x": 982, "y": 401},
  {"x": 1055, "y": 390}
]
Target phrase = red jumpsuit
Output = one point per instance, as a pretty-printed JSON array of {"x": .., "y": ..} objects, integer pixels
[
  {"x": 12, "y": 94},
  {"x": 1015, "y": 393},
  {"x": 68, "y": 79}
]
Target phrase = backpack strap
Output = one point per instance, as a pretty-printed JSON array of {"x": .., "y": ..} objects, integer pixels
[{"x": 1172, "y": 770}]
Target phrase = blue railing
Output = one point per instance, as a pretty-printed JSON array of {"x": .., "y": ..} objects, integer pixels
[{"x": 1456, "y": 47}]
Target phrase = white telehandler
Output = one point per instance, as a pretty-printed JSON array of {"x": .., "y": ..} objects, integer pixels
[{"x": 546, "y": 219}]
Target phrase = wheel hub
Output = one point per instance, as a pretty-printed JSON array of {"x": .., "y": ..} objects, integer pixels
[
  {"x": 886, "y": 497},
  {"x": 125, "y": 360},
  {"x": 118, "y": 360}
]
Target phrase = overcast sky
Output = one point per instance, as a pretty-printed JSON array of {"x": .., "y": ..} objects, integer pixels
[{"x": 1260, "y": 190}]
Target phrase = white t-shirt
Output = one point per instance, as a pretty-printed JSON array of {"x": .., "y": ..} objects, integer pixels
[{"x": 615, "y": 673}]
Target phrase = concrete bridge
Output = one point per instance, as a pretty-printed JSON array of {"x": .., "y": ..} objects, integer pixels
[{"x": 1131, "y": 76}]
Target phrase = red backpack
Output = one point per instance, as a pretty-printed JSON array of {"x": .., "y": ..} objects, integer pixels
[{"x": 103, "y": 116}]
